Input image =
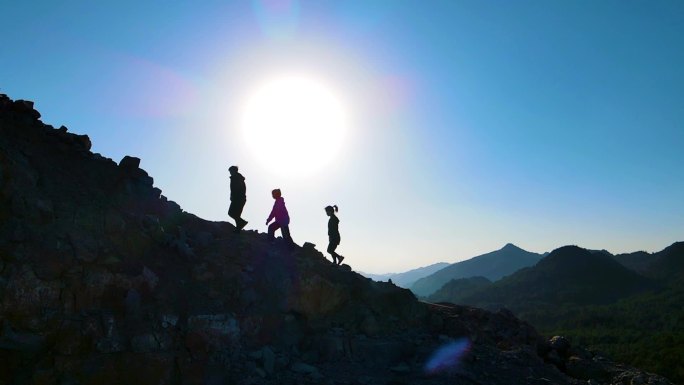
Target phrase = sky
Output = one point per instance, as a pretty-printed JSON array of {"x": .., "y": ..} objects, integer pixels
[{"x": 469, "y": 124}]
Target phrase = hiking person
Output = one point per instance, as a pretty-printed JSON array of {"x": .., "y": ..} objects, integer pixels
[
  {"x": 333, "y": 234},
  {"x": 238, "y": 197},
  {"x": 282, "y": 218}
]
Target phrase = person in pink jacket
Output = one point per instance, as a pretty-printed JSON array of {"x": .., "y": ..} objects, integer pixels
[{"x": 282, "y": 218}]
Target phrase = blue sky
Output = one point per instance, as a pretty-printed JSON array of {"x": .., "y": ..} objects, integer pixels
[{"x": 475, "y": 123}]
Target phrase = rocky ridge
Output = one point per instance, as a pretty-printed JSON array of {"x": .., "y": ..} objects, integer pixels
[{"x": 103, "y": 280}]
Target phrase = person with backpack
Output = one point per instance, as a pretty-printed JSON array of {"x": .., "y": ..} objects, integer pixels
[
  {"x": 333, "y": 234},
  {"x": 282, "y": 218},
  {"x": 238, "y": 198}
]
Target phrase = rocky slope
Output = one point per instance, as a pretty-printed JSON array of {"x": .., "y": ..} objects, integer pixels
[{"x": 103, "y": 280}]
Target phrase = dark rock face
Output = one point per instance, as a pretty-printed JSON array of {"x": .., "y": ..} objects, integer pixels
[{"x": 103, "y": 280}]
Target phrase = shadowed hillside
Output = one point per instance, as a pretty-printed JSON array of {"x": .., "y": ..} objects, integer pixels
[
  {"x": 103, "y": 280},
  {"x": 667, "y": 264},
  {"x": 492, "y": 266},
  {"x": 456, "y": 289}
]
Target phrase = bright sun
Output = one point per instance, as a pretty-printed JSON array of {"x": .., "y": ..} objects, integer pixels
[{"x": 294, "y": 125}]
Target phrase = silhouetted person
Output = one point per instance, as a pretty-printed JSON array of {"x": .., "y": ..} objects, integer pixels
[
  {"x": 333, "y": 234},
  {"x": 238, "y": 197},
  {"x": 282, "y": 218}
]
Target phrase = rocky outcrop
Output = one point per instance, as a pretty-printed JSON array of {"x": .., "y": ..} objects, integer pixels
[{"x": 103, "y": 280}]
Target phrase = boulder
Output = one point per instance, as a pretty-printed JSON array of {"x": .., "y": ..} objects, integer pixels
[
  {"x": 586, "y": 369},
  {"x": 26, "y": 107}
]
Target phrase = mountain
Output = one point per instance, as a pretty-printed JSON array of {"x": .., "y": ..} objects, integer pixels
[
  {"x": 456, "y": 289},
  {"x": 637, "y": 261},
  {"x": 668, "y": 264},
  {"x": 568, "y": 274},
  {"x": 377, "y": 277},
  {"x": 407, "y": 278},
  {"x": 103, "y": 280},
  {"x": 492, "y": 266}
]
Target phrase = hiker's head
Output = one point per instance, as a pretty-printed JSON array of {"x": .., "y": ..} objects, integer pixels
[
  {"x": 330, "y": 210},
  {"x": 232, "y": 169},
  {"x": 275, "y": 193}
]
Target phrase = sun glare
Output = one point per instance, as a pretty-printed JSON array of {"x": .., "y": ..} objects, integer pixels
[{"x": 294, "y": 125}]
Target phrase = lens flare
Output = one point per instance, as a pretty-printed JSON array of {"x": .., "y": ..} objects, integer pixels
[{"x": 448, "y": 356}]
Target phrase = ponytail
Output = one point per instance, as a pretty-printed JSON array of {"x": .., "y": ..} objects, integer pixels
[{"x": 335, "y": 207}]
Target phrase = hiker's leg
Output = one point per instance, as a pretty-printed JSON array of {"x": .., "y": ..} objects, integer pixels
[
  {"x": 285, "y": 229},
  {"x": 239, "y": 206},
  {"x": 232, "y": 211},
  {"x": 272, "y": 229},
  {"x": 241, "y": 223},
  {"x": 331, "y": 250}
]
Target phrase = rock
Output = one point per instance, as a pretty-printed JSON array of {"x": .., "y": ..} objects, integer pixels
[
  {"x": 169, "y": 320},
  {"x": 150, "y": 223},
  {"x": 369, "y": 326},
  {"x": 25, "y": 294},
  {"x": 132, "y": 303},
  {"x": 210, "y": 333},
  {"x": 635, "y": 377},
  {"x": 114, "y": 223},
  {"x": 149, "y": 277},
  {"x": 45, "y": 210},
  {"x": 331, "y": 347},
  {"x": 256, "y": 355},
  {"x": 303, "y": 368},
  {"x": 268, "y": 359},
  {"x": 20, "y": 341},
  {"x": 560, "y": 344},
  {"x": 129, "y": 163},
  {"x": 586, "y": 369},
  {"x": 319, "y": 296},
  {"x": 144, "y": 343},
  {"x": 260, "y": 372},
  {"x": 310, "y": 356},
  {"x": 248, "y": 297},
  {"x": 377, "y": 352},
  {"x": 26, "y": 107},
  {"x": 402, "y": 368},
  {"x": 83, "y": 141},
  {"x": 555, "y": 358},
  {"x": 112, "y": 341}
]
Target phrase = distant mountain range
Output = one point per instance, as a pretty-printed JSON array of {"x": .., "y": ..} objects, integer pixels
[
  {"x": 629, "y": 305},
  {"x": 406, "y": 279},
  {"x": 493, "y": 266},
  {"x": 459, "y": 288},
  {"x": 667, "y": 264},
  {"x": 569, "y": 274}
]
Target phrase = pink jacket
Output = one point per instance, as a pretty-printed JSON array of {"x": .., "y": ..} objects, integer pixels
[{"x": 279, "y": 212}]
